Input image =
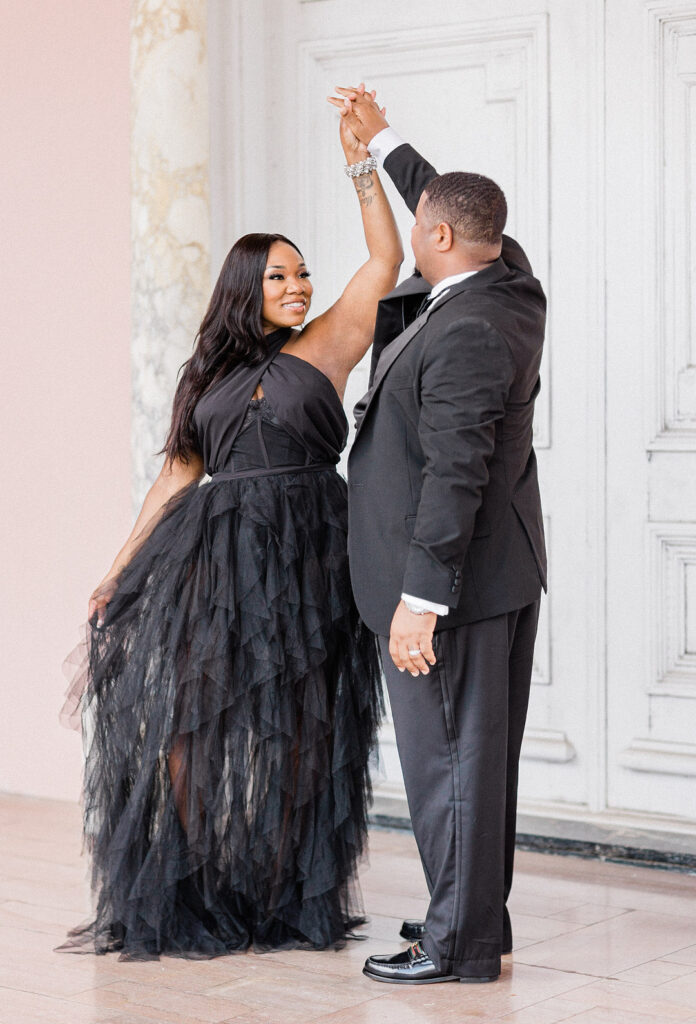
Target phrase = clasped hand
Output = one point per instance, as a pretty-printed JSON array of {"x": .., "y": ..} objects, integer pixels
[{"x": 359, "y": 112}]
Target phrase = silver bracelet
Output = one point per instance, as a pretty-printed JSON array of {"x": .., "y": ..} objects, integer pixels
[{"x": 363, "y": 167}]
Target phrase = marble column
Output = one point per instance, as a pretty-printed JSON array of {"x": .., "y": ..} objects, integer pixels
[{"x": 170, "y": 213}]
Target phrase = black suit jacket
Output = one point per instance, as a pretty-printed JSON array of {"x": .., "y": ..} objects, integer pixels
[{"x": 444, "y": 498}]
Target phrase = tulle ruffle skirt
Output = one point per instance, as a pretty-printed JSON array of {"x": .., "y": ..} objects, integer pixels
[{"x": 229, "y": 704}]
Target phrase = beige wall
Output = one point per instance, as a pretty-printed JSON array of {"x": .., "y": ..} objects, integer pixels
[{"x": 65, "y": 329}]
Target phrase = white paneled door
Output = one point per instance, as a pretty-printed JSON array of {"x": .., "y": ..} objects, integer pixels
[
  {"x": 516, "y": 89},
  {"x": 651, "y": 408}
]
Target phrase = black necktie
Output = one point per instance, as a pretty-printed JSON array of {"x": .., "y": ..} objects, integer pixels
[
  {"x": 429, "y": 299},
  {"x": 424, "y": 304}
]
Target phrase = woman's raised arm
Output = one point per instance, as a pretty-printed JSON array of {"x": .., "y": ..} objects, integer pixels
[{"x": 340, "y": 337}]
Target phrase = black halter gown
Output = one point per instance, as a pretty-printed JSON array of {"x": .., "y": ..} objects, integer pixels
[{"x": 230, "y": 700}]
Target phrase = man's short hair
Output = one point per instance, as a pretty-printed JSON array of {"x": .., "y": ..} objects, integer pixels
[{"x": 473, "y": 206}]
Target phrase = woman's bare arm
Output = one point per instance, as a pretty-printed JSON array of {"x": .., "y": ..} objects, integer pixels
[
  {"x": 338, "y": 339},
  {"x": 174, "y": 476}
]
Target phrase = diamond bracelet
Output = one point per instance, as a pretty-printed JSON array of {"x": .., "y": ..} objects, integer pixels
[{"x": 363, "y": 167}]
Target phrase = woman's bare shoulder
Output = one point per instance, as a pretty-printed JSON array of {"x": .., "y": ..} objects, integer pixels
[{"x": 313, "y": 346}]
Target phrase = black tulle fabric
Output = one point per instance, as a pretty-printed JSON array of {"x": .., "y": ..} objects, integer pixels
[{"x": 229, "y": 705}]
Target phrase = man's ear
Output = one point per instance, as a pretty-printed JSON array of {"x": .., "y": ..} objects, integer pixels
[{"x": 444, "y": 237}]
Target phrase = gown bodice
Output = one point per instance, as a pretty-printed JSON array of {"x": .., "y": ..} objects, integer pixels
[{"x": 300, "y": 423}]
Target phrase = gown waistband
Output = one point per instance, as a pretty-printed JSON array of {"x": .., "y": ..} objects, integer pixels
[{"x": 272, "y": 471}]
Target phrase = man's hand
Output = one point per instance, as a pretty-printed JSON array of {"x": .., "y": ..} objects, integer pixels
[
  {"x": 411, "y": 633},
  {"x": 360, "y": 110}
]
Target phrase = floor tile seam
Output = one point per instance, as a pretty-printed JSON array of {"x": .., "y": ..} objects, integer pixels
[
  {"x": 592, "y": 978},
  {"x": 691, "y": 945},
  {"x": 572, "y": 906},
  {"x": 622, "y": 911},
  {"x": 66, "y": 997},
  {"x": 30, "y": 931},
  {"x": 247, "y": 999},
  {"x": 675, "y": 980},
  {"x": 112, "y": 986},
  {"x": 108, "y": 986},
  {"x": 668, "y": 917},
  {"x": 647, "y": 963},
  {"x": 550, "y": 938},
  {"x": 603, "y": 894},
  {"x": 530, "y": 942},
  {"x": 241, "y": 1002},
  {"x": 376, "y": 998},
  {"x": 334, "y": 979},
  {"x": 548, "y": 999},
  {"x": 28, "y": 903},
  {"x": 597, "y": 1008},
  {"x": 44, "y": 858},
  {"x": 68, "y": 1000},
  {"x": 309, "y": 970},
  {"x": 573, "y": 1013},
  {"x": 305, "y": 1020},
  {"x": 52, "y": 906}
]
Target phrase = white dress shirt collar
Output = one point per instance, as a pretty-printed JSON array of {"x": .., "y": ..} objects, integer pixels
[{"x": 448, "y": 282}]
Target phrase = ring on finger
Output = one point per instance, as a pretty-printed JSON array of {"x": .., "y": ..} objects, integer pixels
[{"x": 413, "y": 654}]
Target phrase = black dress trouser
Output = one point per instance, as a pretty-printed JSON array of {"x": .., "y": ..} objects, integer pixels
[{"x": 459, "y": 732}]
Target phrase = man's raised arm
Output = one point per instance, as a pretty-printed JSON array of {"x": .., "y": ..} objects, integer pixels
[{"x": 409, "y": 171}]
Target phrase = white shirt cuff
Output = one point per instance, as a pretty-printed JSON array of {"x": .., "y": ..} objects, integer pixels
[
  {"x": 425, "y": 606},
  {"x": 384, "y": 143}
]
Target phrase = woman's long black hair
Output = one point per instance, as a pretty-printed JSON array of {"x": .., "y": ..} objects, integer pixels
[{"x": 231, "y": 332}]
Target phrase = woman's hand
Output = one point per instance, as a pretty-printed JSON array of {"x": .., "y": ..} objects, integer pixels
[
  {"x": 100, "y": 597},
  {"x": 174, "y": 476},
  {"x": 354, "y": 149}
]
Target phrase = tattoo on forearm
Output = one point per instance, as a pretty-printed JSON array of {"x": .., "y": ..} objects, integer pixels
[{"x": 363, "y": 184}]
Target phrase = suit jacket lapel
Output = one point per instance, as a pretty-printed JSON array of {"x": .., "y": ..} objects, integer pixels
[
  {"x": 394, "y": 313},
  {"x": 389, "y": 354},
  {"x": 416, "y": 285}
]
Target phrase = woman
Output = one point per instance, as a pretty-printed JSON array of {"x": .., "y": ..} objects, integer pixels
[{"x": 231, "y": 694}]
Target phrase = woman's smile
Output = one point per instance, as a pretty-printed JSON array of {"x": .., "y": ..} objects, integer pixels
[{"x": 287, "y": 290}]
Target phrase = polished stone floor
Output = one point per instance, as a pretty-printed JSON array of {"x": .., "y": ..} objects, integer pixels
[{"x": 595, "y": 943}]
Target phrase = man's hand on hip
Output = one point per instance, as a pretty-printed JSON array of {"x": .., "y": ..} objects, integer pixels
[{"x": 411, "y": 640}]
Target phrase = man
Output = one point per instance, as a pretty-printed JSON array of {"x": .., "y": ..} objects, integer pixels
[{"x": 447, "y": 546}]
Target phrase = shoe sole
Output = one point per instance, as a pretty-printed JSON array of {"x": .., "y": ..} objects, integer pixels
[
  {"x": 410, "y": 981},
  {"x": 428, "y": 981}
]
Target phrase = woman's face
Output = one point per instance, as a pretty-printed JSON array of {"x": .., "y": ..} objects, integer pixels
[{"x": 287, "y": 292}]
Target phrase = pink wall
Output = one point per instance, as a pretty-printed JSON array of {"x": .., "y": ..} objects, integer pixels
[{"x": 65, "y": 329}]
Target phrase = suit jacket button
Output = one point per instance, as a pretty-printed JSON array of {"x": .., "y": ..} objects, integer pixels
[{"x": 455, "y": 589}]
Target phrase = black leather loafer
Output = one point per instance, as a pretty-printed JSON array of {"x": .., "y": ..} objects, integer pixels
[
  {"x": 414, "y": 967},
  {"x": 412, "y": 931}
]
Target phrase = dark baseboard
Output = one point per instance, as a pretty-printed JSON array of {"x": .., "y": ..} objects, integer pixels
[{"x": 669, "y": 851}]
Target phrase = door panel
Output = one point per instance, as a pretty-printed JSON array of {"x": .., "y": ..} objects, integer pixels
[{"x": 651, "y": 410}]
